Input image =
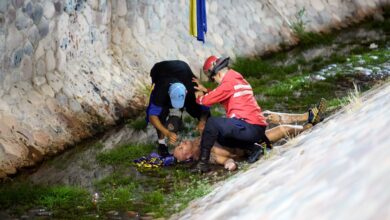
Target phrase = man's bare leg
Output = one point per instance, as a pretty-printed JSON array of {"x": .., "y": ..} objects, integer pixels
[
  {"x": 281, "y": 131},
  {"x": 313, "y": 116},
  {"x": 285, "y": 118}
]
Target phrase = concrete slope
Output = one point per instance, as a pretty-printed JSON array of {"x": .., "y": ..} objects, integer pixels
[{"x": 339, "y": 170}]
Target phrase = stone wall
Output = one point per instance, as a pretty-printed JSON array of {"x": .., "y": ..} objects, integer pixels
[{"x": 72, "y": 67}]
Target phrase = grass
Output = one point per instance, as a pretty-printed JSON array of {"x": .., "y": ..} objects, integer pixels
[
  {"x": 163, "y": 192},
  {"x": 63, "y": 199},
  {"x": 125, "y": 154},
  {"x": 156, "y": 192},
  {"x": 336, "y": 103},
  {"x": 118, "y": 198},
  {"x": 160, "y": 191},
  {"x": 115, "y": 180},
  {"x": 290, "y": 89},
  {"x": 354, "y": 99},
  {"x": 308, "y": 39},
  {"x": 138, "y": 124}
]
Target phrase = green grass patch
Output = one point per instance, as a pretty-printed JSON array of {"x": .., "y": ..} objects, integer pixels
[
  {"x": 159, "y": 191},
  {"x": 138, "y": 124},
  {"x": 291, "y": 88},
  {"x": 66, "y": 200},
  {"x": 116, "y": 180},
  {"x": 260, "y": 68},
  {"x": 311, "y": 39},
  {"x": 118, "y": 198},
  {"x": 98, "y": 145},
  {"x": 124, "y": 154}
]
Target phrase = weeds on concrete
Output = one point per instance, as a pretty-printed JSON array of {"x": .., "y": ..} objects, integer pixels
[
  {"x": 138, "y": 124},
  {"x": 308, "y": 39},
  {"x": 354, "y": 99}
]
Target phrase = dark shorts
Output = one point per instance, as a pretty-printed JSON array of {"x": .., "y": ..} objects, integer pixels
[{"x": 232, "y": 132}]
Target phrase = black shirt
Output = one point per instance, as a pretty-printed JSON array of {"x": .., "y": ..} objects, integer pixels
[{"x": 164, "y": 74}]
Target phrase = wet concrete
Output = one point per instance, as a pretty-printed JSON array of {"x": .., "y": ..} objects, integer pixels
[{"x": 79, "y": 167}]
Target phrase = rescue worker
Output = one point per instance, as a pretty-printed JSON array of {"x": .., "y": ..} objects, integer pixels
[
  {"x": 244, "y": 124},
  {"x": 173, "y": 91}
]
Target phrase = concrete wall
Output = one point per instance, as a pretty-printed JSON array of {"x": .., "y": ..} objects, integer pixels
[{"x": 71, "y": 67}]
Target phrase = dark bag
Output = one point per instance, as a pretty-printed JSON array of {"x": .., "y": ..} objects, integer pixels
[{"x": 174, "y": 124}]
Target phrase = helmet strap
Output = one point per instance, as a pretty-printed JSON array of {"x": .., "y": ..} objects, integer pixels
[{"x": 219, "y": 65}]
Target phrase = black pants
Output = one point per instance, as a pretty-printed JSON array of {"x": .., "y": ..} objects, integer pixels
[{"x": 230, "y": 132}]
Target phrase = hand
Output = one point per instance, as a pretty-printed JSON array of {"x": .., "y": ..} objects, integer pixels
[
  {"x": 198, "y": 94},
  {"x": 200, "y": 87},
  {"x": 172, "y": 137},
  {"x": 201, "y": 126},
  {"x": 230, "y": 165}
]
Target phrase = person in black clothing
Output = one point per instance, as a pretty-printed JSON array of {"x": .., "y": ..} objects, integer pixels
[{"x": 173, "y": 89}]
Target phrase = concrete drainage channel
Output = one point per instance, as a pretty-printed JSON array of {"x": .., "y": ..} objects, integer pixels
[{"x": 124, "y": 192}]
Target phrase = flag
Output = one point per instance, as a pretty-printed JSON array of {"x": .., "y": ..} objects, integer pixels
[{"x": 198, "y": 22}]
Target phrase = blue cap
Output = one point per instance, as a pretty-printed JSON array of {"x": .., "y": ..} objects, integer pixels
[{"x": 177, "y": 93}]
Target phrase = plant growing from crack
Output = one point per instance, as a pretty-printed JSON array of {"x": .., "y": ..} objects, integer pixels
[{"x": 298, "y": 26}]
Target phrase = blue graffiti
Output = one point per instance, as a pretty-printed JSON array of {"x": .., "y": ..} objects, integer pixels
[
  {"x": 92, "y": 34},
  {"x": 79, "y": 5},
  {"x": 17, "y": 58},
  {"x": 64, "y": 43},
  {"x": 71, "y": 6}
]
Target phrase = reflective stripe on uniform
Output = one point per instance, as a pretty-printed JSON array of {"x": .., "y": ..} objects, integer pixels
[
  {"x": 241, "y": 93},
  {"x": 200, "y": 100},
  {"x": 242, "y": 86}
]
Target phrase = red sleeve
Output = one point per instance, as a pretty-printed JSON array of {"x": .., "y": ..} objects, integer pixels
[{"x": 217, "y": 95}]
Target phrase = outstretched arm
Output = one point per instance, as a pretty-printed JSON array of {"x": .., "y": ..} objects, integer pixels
[
  {"x": 199, "y": 86},
  {"x": 227, "y": 162},
  {"x": 224, "y": 156},
  {"x": 164, "y": 131}
]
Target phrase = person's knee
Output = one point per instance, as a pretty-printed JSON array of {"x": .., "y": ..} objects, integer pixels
[{"x": 211, "y": 125}]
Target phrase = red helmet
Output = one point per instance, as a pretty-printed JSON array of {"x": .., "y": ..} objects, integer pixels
[
  {"x": 213, "y": 64},
  {"x": 209, "y": 64}
]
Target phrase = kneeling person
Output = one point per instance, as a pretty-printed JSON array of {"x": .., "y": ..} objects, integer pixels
[{"x": 173, "y": 91}]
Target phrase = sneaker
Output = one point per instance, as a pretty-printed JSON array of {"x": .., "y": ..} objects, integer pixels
[
  {"x": 256, "y": 152},
  {"x": 174, "y": 124},
  {"x": 316, "y": 113},
  {"x": 163, "y": 150}
]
